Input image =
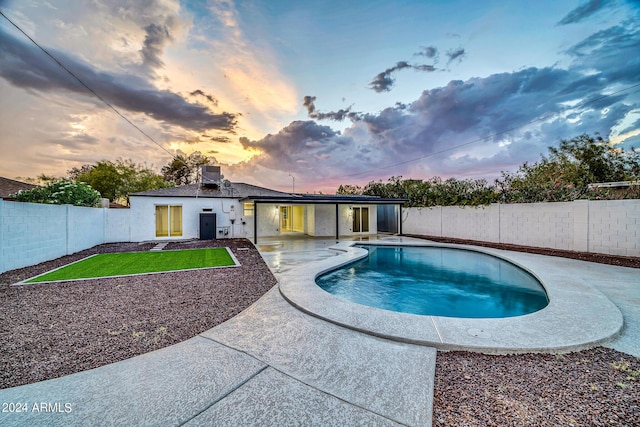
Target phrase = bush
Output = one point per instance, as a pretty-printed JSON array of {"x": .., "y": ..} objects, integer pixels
[{"x": 61, "y": 192}]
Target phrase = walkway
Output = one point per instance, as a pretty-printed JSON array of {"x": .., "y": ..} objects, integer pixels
[{"x": 273, "y": 365}]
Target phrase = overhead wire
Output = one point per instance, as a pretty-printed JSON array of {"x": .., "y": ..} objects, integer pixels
[{"x": 97, "y": 95}]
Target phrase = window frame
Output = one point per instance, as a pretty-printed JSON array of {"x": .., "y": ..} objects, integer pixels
[{"x": 171, "y": 227}]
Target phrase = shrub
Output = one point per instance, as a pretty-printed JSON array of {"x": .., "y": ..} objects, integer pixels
[{"x": 61, "y": 192}]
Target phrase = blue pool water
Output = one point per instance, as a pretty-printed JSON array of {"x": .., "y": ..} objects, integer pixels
[{"x": 437, "y": 281}]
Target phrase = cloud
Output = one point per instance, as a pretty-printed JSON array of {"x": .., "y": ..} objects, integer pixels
[
  {"x": 383, "y": 82},
  {"x": 157, "y": 36},
  {"x": 308, "y": 102},
  {"x": 429, "y": 52},
  {"x": 424, "y": 67},
  {"x": 120, "y": 34},
  {"x": 603, "y": 50},
  {"x": 454, "y": 54},
  {"x": 210, "y": 98},
  {"x": 26, "y": 66},
  {"x": 469, "y": 128},
  {"x": 223, "y": 139},
  {"x": 584, "y": 11},
  {"x": 297, "y": 141}
]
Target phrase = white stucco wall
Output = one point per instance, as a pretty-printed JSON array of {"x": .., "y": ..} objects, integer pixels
[
  {"x": 346, "y": 220},
  {"x": 610, "y": 227},
  {"x": 143, "y": 211},
  {"x": 325, "y": 220},
  {"x": 268, "y": 220},
  {"x": 310, "y": 220}
]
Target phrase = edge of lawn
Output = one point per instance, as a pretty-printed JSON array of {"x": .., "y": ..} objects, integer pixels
[{"x": 28, "y": 280}]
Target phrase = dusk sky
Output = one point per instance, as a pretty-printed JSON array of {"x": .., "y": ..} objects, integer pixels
[{"x": 329, "y": 92}]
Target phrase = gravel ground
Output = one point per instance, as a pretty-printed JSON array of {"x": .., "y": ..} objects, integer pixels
[
  {"x": 56, "y": 329},
  {"x": 50, "y": 330},
  {"x": 597, "y": 387}
]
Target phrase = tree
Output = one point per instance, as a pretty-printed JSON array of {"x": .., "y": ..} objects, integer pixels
[
  {"x": 349, "y": 189},
  {"x": 563, "y": 175},
  {"x": 61, "y": 192},
  {"x": 435, "y": 192},
  {"x": 568, "y": 170},
  {"x": 116, "y": 181},
  {"x": 183, "y": 169}
]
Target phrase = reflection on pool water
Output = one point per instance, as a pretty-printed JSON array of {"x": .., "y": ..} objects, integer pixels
[{"x": 437, "y": 281}]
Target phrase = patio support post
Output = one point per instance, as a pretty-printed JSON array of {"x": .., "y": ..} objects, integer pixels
[
  {"x": 255, "y": 222},
  {"x": 400, "y": 218},
  {"x": 337, "y": 223}
]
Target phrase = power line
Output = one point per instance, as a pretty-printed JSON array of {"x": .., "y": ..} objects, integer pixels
[
  {"x": 86, "y": 86},
  {"x": 545, "y": 117}
]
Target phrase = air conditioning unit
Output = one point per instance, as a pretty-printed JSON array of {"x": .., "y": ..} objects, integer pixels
[{"x": 211, "y": 176}]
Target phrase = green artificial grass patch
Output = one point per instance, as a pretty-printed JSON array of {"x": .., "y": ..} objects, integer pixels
[{"x": 125, "y": 263}]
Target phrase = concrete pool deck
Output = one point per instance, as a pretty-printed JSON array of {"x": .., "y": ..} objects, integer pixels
[
  {"x": 276, "y": 365},
  {"x": 578, "y": 315}
]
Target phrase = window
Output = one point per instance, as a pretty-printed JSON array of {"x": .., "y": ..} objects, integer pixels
[
  {"x": 248, "y": 209},
  {"x": 168, "y": 221}
]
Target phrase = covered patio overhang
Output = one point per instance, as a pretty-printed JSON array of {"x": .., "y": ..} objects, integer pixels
[{"x": 324, "y": 200}]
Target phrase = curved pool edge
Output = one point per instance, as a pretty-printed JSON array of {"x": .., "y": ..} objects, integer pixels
[{"x": 578, "y": 316}]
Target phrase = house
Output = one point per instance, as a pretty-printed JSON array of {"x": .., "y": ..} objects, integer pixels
[
  {"x": 9, "y": 187},
  {"x": 216, "y": 208}
]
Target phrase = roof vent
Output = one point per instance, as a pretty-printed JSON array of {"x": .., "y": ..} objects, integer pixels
[{"x": 211, "y": 176}]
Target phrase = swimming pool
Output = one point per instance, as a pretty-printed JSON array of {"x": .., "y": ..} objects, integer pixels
[{"x": 437, "y": 281}]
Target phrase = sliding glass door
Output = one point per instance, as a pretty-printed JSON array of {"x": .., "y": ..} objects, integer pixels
[
  {"x": 292, "y": 219},
  {"x": 360, "y": 220}
]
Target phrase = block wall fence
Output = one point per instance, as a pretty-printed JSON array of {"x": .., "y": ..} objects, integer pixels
[
  {"x": 607, "y": 226},
  {"x": 31, "y": 233}
]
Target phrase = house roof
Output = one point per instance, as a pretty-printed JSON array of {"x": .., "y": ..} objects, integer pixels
[
  {"x": 237, "y": 190},
  {"x": 248, "y": 192},
  {"x": 9, "y": 187},
  {"x": 326, "y": 198}
]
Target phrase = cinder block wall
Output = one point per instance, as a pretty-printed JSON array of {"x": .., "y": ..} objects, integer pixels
[
  {"x": 614, "y": 227},
  {"x": 546, "y": 225},
  {"x": 481, "y": 223},
  {"x": 31, "y": 232},
  {"x": 609, "y": 227}
]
